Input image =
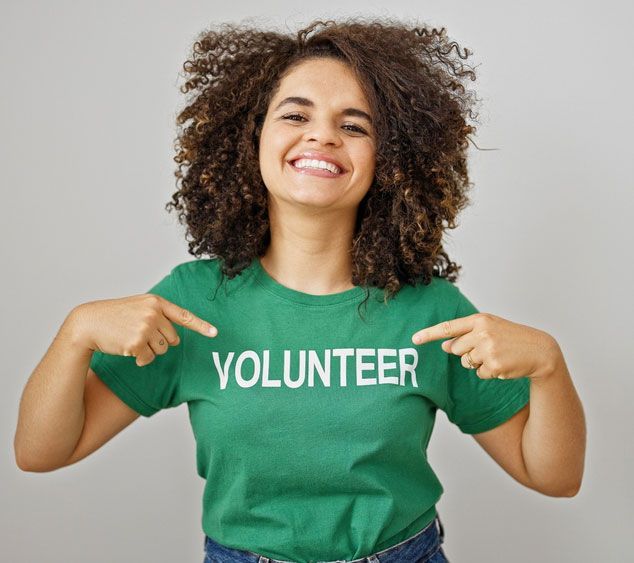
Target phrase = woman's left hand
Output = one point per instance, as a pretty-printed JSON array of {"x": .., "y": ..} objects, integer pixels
[{"x": 497, "y": 347}]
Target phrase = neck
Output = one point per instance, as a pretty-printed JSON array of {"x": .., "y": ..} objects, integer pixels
[{"x": 311, "y": 254}]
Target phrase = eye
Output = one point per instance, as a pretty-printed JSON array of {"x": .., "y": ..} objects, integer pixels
[
  {"x": 354, "y": 128},
  {"x": 291, "y": 115}
]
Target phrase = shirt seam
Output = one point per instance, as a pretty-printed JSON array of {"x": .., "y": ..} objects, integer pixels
[{"x": 301, "y": 303}]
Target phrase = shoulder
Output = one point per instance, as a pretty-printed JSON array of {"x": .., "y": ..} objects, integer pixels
[
  {"x": 194, "y": 276},
  {"x": 438, "y": 289},
  {"x": 440, "y": 295},
  {"x": 195, "y": 268},
  {"x": 203, "y": 278},
  {"x": 458, "y": 303}
]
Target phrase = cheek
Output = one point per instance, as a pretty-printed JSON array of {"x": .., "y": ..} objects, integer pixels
[
  {"x": 367, "y": 164},
  {"x": 270, "y": 152}
]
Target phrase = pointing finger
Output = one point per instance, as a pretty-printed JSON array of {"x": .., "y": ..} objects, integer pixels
[
  {"x": 445, "y": 329},
  {"x": 187, "y": 319}
]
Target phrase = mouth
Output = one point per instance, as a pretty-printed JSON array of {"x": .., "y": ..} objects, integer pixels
[{"x": 317, "y": 172}]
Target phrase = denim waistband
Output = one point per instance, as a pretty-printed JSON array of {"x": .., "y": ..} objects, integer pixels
[{"x": 415, "y": 549}]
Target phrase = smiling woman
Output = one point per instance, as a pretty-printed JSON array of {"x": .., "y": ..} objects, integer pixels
[
  {"x": 327, "y": 92},
  {"x": 384, "y": 102},
  {"x": 315, "y": 170}
]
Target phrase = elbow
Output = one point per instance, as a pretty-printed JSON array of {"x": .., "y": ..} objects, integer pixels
[
  {"x": 30, "y": 466},
  {"x": 573, "y": 492},
  {"x": 34, "y": 468},
  {"x": 559, "y": 492}
]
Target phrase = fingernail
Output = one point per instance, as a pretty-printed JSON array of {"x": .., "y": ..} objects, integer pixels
[{"x": 213, "y": 330}]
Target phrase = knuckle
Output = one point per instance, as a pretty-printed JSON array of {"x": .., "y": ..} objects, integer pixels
[
  {"x": 151, "y": 315},
  {"x": 145, "y": 326},
  {"x": 152, "y": 299},
  {"x": 137, "y": 343},
  {"x": 186, "y": 316},
  {"x": 485, "y": 334},
  {"x": 483, "y": 320},
  {"x": 495, "y": 366}
]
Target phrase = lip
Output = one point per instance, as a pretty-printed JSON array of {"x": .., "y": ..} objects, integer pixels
[
  {"x": 315, "y": 172},
  {"x": 316, "y": 155}
]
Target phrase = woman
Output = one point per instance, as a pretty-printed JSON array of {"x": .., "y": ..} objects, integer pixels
[{"x": 319, "y": 172}]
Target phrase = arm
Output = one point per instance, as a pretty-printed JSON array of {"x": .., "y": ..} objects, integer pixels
[
  {"x": 106, "y": 416},
  {"x": 51, "y": 412},
  {"x": 554, "y": 437},
  {"x": 543, "y": 445}
]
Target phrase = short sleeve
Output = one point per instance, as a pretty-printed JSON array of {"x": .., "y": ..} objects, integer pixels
[
  {"x": 476, "y": 405},
  {"x": 150, "y": 388}
]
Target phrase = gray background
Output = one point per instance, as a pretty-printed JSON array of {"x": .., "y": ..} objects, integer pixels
[{"x": 89, "y": 97}]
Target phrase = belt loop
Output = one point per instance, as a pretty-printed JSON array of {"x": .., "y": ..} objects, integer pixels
[
  {"x": 263, "y": 559},
  {"x": 372, "y": 559}
]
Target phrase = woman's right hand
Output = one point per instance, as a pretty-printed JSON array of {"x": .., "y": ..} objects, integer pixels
[{"x": 139, "y": 325}]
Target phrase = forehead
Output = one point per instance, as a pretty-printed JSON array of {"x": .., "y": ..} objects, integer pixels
[{"x": 322, "y": 80}]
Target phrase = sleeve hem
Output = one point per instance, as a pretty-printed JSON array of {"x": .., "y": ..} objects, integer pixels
[
  {"x": 122, "y": 391},
  {"x": 517, "y": 402}
]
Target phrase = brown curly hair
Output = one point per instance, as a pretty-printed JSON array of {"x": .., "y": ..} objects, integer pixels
[{"x": 412, "y": 79}]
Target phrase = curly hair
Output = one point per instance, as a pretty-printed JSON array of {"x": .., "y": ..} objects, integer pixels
[{"x": 412, "y": 79}]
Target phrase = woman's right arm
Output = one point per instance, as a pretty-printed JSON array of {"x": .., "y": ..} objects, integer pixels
[
  {"x": 66, "y": 412},
  {"x": 51, "y": 414}
]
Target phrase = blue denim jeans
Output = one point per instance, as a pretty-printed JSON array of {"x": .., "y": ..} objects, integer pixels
[{"x": 424, "y": 546}]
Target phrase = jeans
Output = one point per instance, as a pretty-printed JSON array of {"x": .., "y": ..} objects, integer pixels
[{"x": 424, "y": 546}]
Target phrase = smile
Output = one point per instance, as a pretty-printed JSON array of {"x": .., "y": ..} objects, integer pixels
[{"x": 319, "y": 172}]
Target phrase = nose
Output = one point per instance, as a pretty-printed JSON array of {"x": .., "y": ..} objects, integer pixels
[{"x": 324, "y": 132}]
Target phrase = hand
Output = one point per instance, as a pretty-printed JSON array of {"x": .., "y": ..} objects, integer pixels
[
  {"x": 134, "y": 326},
  {"x": 497, "y": 347}
]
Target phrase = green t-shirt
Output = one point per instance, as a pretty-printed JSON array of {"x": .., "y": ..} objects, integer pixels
[{"x": 312, "y": 422}]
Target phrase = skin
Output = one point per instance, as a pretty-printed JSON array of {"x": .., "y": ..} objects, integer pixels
[
  {"x": 312, "y": 219},
  {"x": 543, "y": 445},
  {"x": 312, "y": 223}
]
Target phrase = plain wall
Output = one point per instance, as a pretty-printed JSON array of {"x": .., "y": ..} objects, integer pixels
[{"x": 89, "y": 99}]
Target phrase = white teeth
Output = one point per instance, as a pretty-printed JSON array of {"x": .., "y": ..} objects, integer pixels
[{"x": 306, "y": 163}]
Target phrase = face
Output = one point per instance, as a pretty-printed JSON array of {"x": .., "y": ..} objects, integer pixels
[{"x": 328, "y": 121}]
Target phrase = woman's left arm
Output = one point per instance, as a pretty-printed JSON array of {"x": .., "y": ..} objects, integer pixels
[{"x": 554, "y": 437}]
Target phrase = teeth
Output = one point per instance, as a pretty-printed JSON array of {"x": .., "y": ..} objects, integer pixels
[{"x": 307, "y": 163}]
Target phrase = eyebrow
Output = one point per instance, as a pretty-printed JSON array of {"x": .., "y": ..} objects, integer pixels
[{"x": 354, "y": 112}]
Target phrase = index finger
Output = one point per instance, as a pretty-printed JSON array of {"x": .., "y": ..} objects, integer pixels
[
  {"x": 187, "y": 319},
  {"x": 445, "y": 329}
]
